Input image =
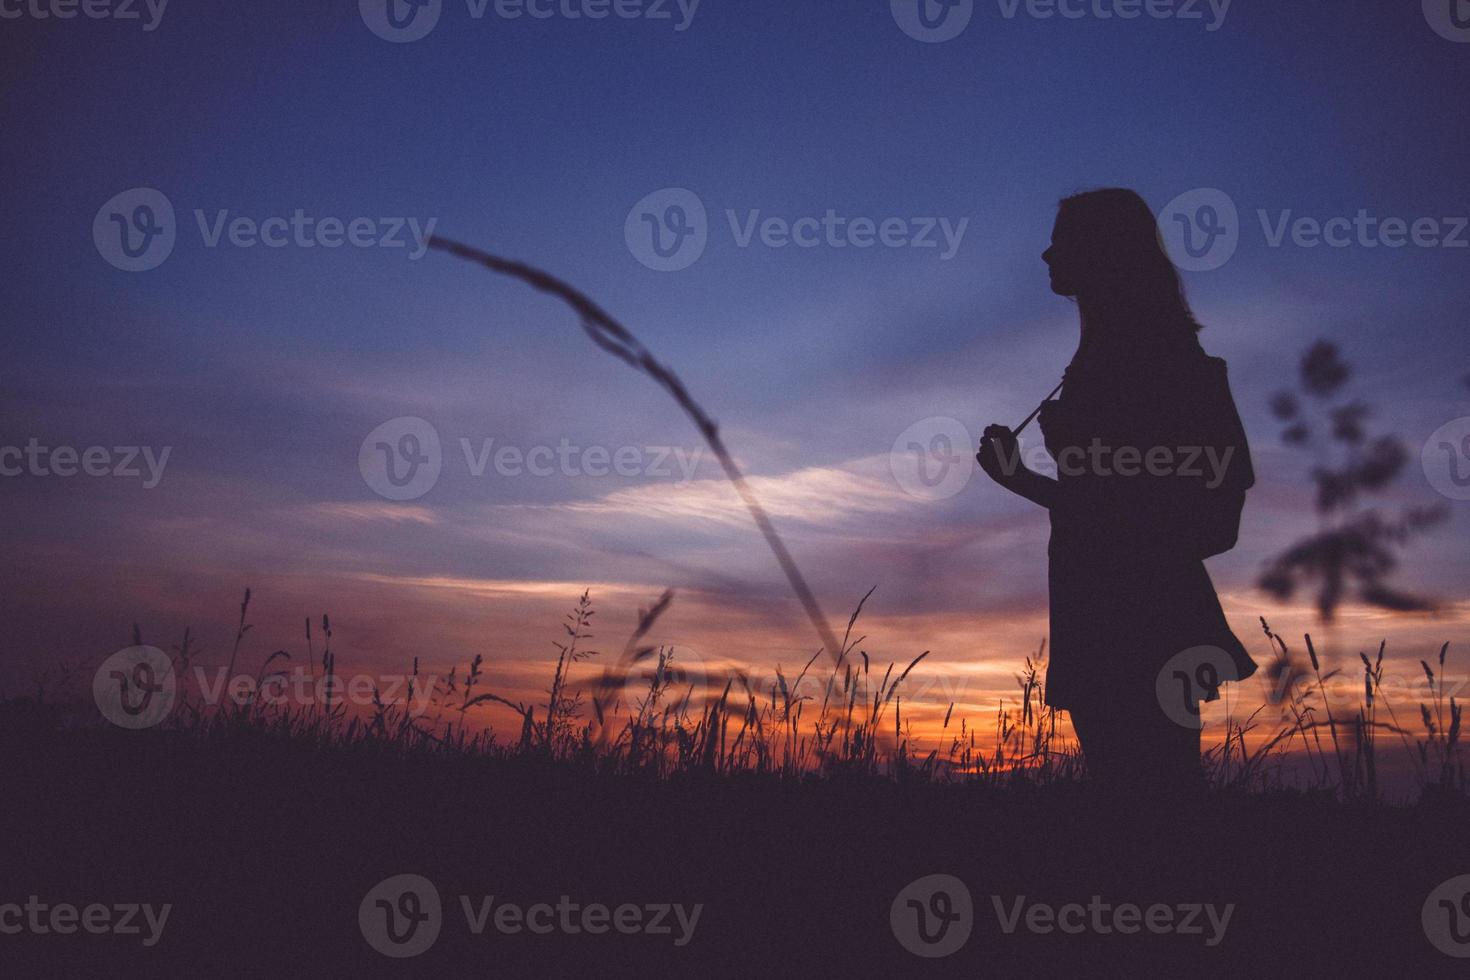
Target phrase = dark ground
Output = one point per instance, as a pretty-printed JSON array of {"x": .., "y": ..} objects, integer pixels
[{"x": 266, "y": 849}]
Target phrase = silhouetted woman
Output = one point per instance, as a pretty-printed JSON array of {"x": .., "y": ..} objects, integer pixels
[{"x": 1153, "y": 467}]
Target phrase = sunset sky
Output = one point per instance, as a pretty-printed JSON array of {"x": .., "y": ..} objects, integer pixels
[{"x": 264, "y": 369}]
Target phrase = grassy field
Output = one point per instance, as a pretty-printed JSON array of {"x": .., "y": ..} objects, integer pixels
[{"x": 793, "y": 823}]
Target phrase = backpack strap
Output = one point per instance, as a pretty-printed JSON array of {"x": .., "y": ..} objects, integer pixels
[{"x": 1017, "y": 429}]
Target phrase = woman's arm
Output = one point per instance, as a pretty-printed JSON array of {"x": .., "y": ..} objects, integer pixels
[
  {"x": 1000, "y": 458},
  {"x": 1034, "y": 487}
]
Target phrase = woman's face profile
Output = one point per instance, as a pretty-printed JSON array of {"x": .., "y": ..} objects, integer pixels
[{"x": 1062, "y": 260}]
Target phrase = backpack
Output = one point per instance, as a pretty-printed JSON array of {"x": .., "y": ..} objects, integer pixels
[
  {"x": 1218, "y": 511},
  {"x": 1204, "y": 520}
]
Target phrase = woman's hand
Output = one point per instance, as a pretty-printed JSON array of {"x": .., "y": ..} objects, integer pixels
[
  {"x": 1000, "y": 458},
  {"x": 1000, "y": 455}
]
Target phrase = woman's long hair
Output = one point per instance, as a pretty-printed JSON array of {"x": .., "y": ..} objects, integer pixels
[{"x": 1129, "y": 291}]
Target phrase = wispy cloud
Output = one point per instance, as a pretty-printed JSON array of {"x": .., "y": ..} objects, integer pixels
[
  {"x": 819, "y": 495},
  {"x": 394, "y": 513}
]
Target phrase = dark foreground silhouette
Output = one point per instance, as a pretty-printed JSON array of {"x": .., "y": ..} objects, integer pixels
[{"x": 266, "y": 849}]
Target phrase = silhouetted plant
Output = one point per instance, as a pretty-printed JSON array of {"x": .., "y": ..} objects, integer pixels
[
  {"x": 1354, "y": 551},
  {"x": 561, "y": 710},
  {"x": 1442, "y": 734}
]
